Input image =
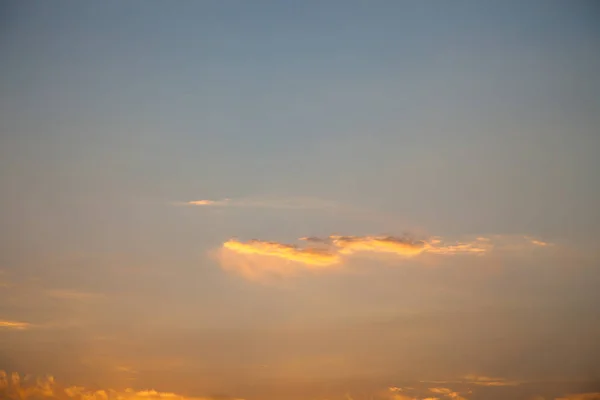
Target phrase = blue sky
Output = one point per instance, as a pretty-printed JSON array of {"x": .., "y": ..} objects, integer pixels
[{"x": 473, "y": 121}]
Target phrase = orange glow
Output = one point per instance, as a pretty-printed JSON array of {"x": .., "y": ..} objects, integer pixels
[{"x": 203, "y": 203}]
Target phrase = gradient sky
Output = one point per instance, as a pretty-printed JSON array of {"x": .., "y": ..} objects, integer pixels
[{"x": 160, "y": 162}]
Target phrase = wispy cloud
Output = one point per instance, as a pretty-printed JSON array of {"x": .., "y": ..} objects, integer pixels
[
  {"x": 14, "y": 388},
  {"x": 290, "y": 203},
  {"x": 126, "y": 369},
  {"x": 537, "y": 242},
  {"x": 479, "y": 246},
  {"x": 256, "y": 257},
  {"x": 478, "y": 380},
  {"x": 17, "y": 325},
  {"x": 488, "y": 381}
]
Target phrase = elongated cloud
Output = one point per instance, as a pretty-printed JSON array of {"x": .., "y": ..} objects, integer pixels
[
  {"x": 208, "y": 202},
  {"x": 15, "y": 388},
  {"x": 478, "y": 246},
  {"x": 291, "y": 203},
  {"x": 18, "y": 325},
  {"x": 479, "y": 380},
  {"x": 256, "y": 257},
  {"x": 398, "y": 393},
  {"x": 538, "y": 242},
  {"x": 407, "y": 247},
  {"x": 403, "y": 246},
  {"x": 488, "y": 381}
]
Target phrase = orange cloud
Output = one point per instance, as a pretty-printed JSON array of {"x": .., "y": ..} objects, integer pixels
[
  {"x": 581, "y": 396},
  {"x": 397, "y": 393},
  {"x": 407, "y": 247},
  {"x": 256, "y": 258},
  {"x": 479, "y": 380},
  {"x": 447, "y": 393},
  {"x": 261, "y": 261},
  {"x": 478, "y": 246},
  {"x": 312, "y": 257},
  {"x": 487, "y": 381},
  {"x": 14, "y": 325},
  {"x": 46, "y": 388},
  {"x": 381, "y": 244}
]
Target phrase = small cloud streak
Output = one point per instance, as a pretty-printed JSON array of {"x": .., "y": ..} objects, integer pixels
[
  {"x": 538, "y": 242},
  {"x": 16, "y": 325},
  {"x": 479, "y": 380},
  {"x": 292, "y": 203}
]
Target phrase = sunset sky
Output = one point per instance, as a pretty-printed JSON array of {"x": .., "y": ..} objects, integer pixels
[{"x": 300, "y": 200}]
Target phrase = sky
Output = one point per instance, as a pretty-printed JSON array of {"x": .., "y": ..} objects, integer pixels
[{"x": 299, "y": 200}]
